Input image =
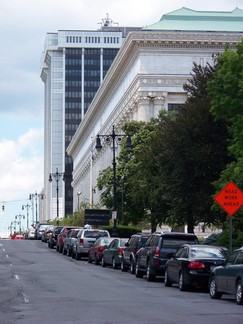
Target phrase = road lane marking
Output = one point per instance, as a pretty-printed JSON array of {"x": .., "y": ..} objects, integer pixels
[
  {"x": 26, "y": 299},
  {"x": 6, "y": 256},
  {"x": 16, "y": 277},
  {"x": 4, "y": 250}
]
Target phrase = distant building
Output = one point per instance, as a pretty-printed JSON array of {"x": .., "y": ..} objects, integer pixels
[
  {"x": 74, "y": 63},
  {"x": 146, "y": 76}
]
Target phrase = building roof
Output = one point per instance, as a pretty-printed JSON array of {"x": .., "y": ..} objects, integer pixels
[{"x": 185, "y": 19}]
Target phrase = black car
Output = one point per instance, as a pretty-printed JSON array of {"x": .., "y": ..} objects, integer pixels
[
  {"x": 159, "y": 247},
  {"x": 53, "y": 237},
  {"x": 228, "y": 278},
  {"x": 134, "y": 243},
  {"x": 192, "y": 265}
]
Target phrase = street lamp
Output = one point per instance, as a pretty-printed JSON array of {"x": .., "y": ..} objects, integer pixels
[
  {"x": 32, "y": 196},
  {"x": 78, "y": 194},
  {"x": 20, "y": 217},
  {"x": 57, "y": 176},
  {"x": 116, "y": 139},
  {"x": 122, "y": 178},
  {"x": 27, "y": 206}
]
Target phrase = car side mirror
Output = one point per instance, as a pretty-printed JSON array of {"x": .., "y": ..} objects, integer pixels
[{"x": 126, "y": 244}]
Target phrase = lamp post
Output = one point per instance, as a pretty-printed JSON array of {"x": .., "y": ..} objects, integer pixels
[
  {"x": 32, "y": 196},
  {"x": 19, "y": 217},
  {"x": 122, "y": 178},
  {"x": 112, "y": 139},
  {"x": 27, "y": 206},
  {"x": 57, "y": 176},
  {"x": 78, "y": 194}
]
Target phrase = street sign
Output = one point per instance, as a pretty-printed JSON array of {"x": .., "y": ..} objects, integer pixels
[
  {"x": 97, "y": 217},
  {"x": 230, "y": 198}
]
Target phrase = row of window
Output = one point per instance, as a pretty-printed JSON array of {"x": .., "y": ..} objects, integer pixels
[
  {"x": 71, "y": 127},
  {"x": 72, "y": 116},
  {"x": 93, "y": 39},
  {"x": 93, "y": 62},
  {"x": 90, "y": 51}
]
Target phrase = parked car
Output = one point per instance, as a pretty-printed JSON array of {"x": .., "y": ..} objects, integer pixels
[
  {"x": 113, "y": 253},
  {"x": 69, "y": 241},
  {"x": 135, "y": 242},
  {"x": 85, "y": 239},
  {"x": 151, "y": 258},
  {"x": 17, "y": 237},
  {"x": 228, "y": 278},
  {"x": 40, "y": 229},
  {"x": 47, "y": 233},
  {"x": 61, "y": 237},
  {"x": 192, "y": 265},
  {"x": 95, "y": 252},
  {"x": 31, "y": 234},
  {"x": 53, "y": 237}
]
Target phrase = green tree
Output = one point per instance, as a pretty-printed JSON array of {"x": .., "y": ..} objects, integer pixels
[
  {"x": 192, "y": 153},
  {"x": 226, "y": 89}
]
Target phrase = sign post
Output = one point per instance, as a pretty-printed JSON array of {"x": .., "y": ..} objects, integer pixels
[{"x": 230, "y": 198}]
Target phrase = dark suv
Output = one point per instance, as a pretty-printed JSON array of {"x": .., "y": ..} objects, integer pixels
[
  {"x": 151, "y": 258},
  {"x": 135, "y": 242}
]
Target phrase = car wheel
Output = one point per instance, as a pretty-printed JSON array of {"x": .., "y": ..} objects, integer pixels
[
  {"x": 60, "y": 249},
  {"x": 150, "y": 275},
  {"x": 57, "y": 249},
  {"x": 133, "y": 266},
  {"x": 239, "y": 293},
  {"x": 167, "y": 281},
  {"x": 64, "y": 251},
  {"x": 114, "y": 264},
  {"x": 182, "y": 285},
  {"x": 138, "y": 273},
  {"x": 77, "y": 256},
  {"x": 73, "y": 255},
  {"x": 68, "y": 252},
  {"x": 123, "y": 267},
  {"x": 214, "y": 294},
  {"x": 103, "y": 264}
]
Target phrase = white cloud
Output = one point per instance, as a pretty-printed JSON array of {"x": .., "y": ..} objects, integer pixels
[{"x": 21, "y": 163}]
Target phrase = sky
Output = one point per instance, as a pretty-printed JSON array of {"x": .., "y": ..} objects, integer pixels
[{"x": 23, "y": 25}]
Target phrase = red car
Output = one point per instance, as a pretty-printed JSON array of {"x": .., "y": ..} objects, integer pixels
[
  {"x": 96, "y": 251},
  {"x": 61, "y": 237},
  {"x": 17, "y": 237}
]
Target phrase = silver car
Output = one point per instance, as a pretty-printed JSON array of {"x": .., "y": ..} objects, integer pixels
[
  {"x": 85, "y": 239},
  {"x": 69, "y": 241}
]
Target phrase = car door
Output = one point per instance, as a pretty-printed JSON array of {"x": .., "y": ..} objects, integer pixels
[
  {"x": 233, "y": 270},
  {"x": 144, "y": 252},
  {"x": 111, "y": 251},
  {"x": 225, "y": 272},
  {"x": 175, "y": 264}
]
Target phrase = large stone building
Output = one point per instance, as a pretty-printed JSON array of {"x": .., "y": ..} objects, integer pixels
[
  {"x": 74, "y": 63},
  {"x": 146, "y": 76}
]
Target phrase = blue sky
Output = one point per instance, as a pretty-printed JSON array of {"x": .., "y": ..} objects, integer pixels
[{"x": 23, "y": 25}]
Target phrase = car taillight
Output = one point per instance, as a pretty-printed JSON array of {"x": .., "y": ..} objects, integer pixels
[
  {"x": 196, "y": 265},
  {"x": 81, "y": 241},
  {"x": 156, "y": 252},
  {"x": 120, "y": 251},
  {"x": 100, "y": 249}
]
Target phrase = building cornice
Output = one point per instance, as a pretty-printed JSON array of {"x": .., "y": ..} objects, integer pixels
[{"x": 124, "y": 60}]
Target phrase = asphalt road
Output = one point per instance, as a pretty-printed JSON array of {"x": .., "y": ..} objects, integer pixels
[{"x": 39, "y": 285}]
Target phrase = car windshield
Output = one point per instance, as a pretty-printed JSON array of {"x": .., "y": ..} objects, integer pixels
[
  {"x": 209, "y": 252},
  {"x": 94, "y": 234}
]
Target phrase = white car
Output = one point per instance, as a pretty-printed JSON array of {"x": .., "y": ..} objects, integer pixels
[{"x": 31, "y": 234}]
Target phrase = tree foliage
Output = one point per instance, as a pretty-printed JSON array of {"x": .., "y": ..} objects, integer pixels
[{"x": 174, "y": 161}]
